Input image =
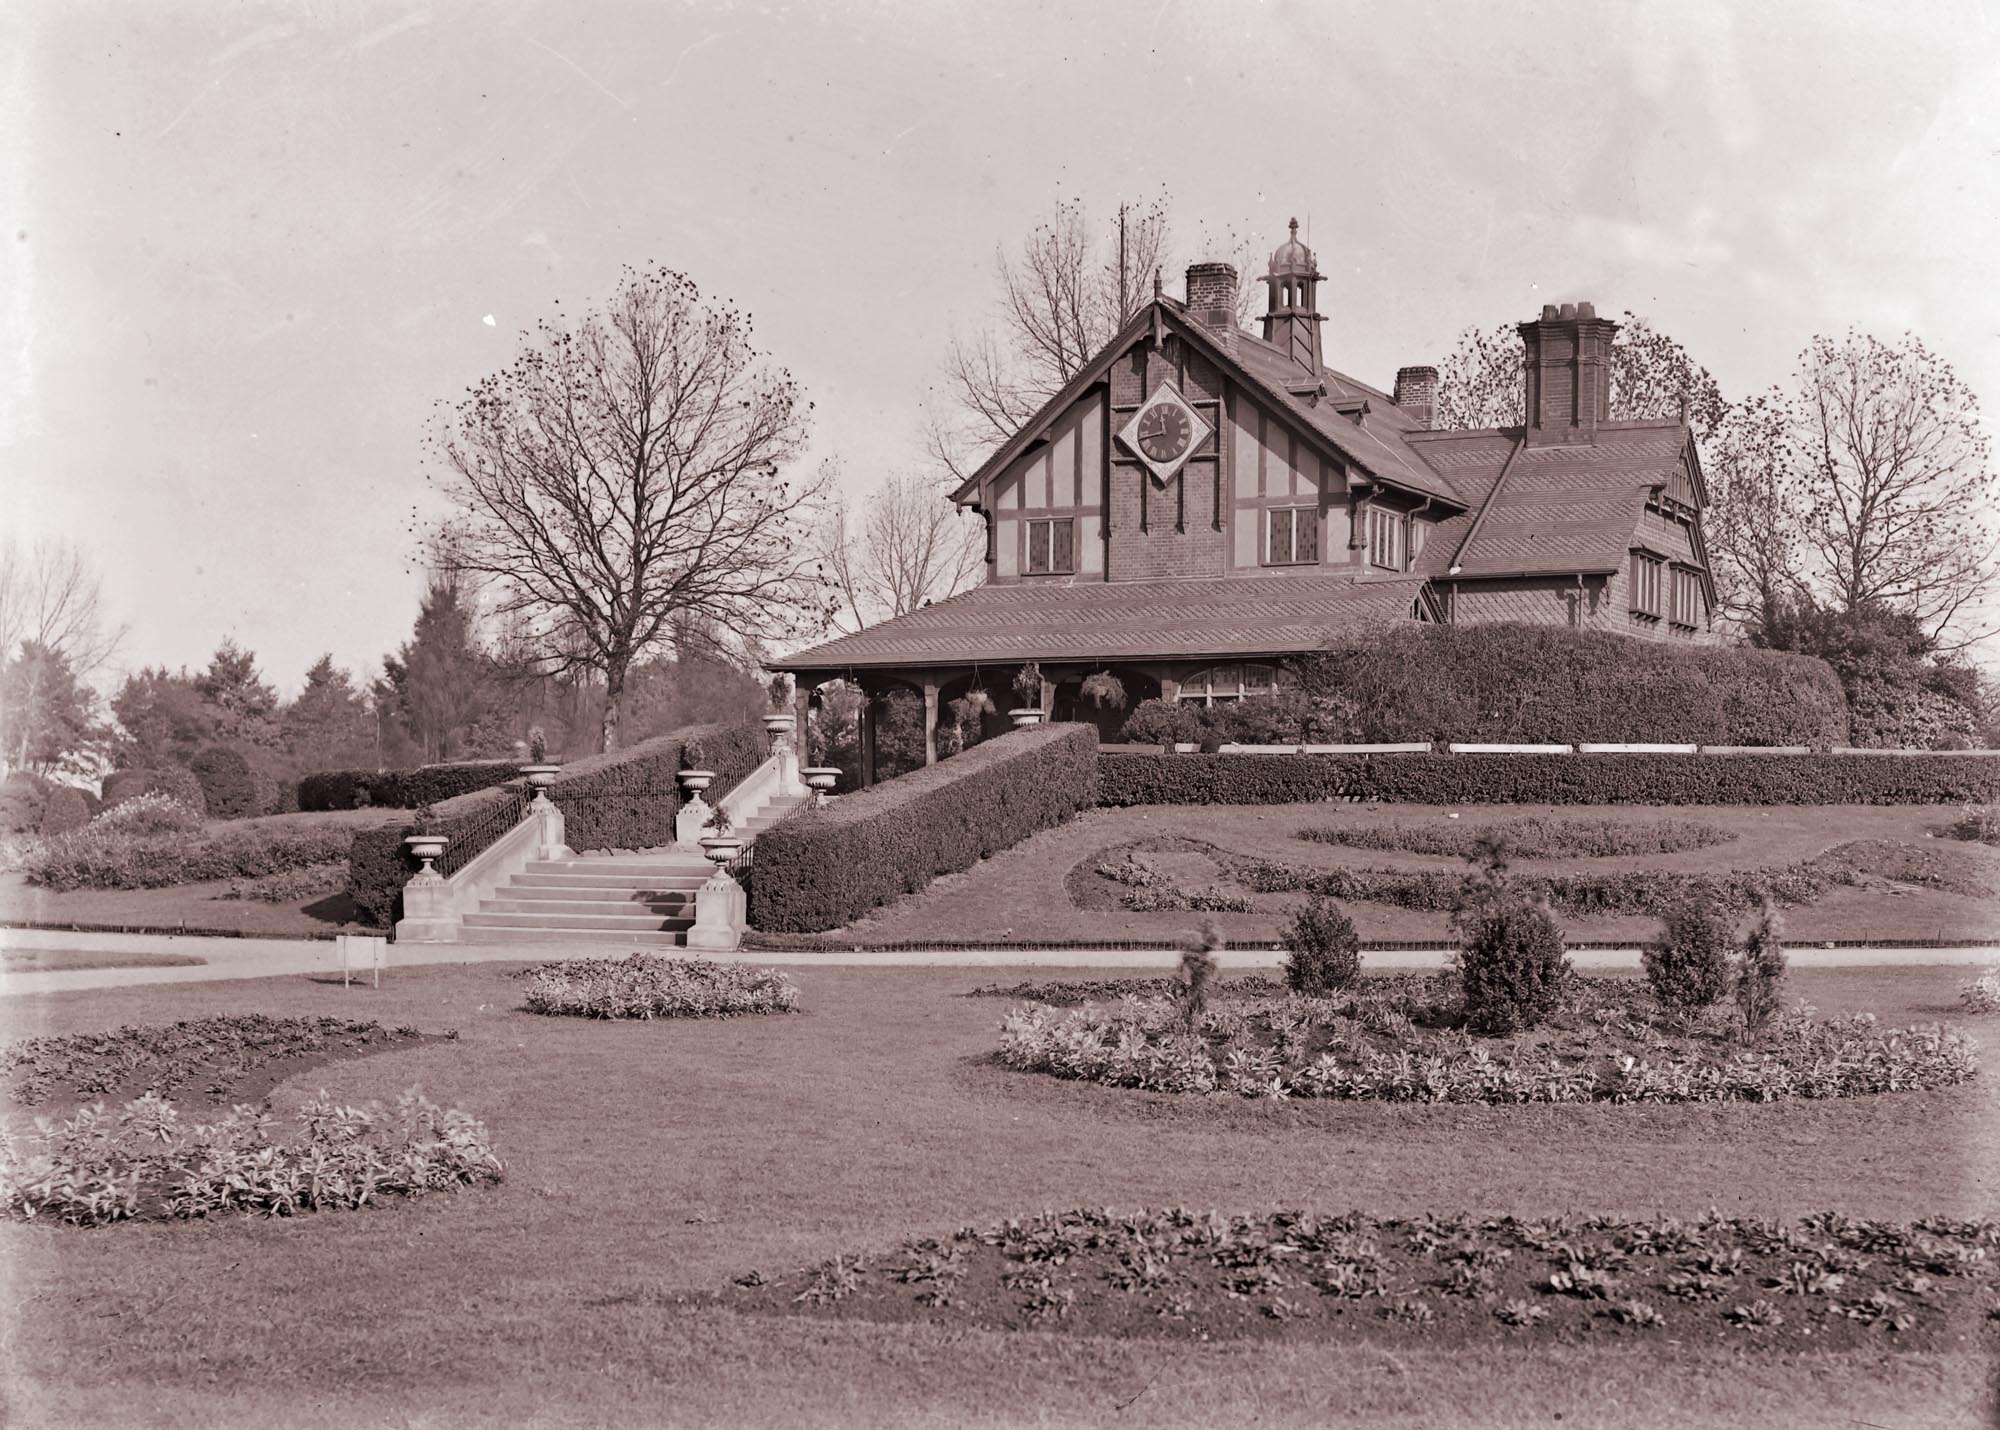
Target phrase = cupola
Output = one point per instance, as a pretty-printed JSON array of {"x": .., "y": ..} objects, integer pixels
[{"x": 1291, "y": 315}]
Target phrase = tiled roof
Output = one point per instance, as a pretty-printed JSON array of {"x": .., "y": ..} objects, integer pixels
[
  {"x": 1562, "y": 508},
  {"x": 1120, "y": 620}
]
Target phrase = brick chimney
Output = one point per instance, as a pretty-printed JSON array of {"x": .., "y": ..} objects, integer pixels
[
  {"x": 1416, "y": 393},
  {"x": 1211, "y": 295},
  {"x": 1568, "y": 357}
]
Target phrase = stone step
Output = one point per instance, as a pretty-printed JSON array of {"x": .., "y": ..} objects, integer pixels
[
  {"x": 666, "y": 907},
  {"x": 605, "y": 938},
  {"x": 633, "y": 922},
  {"x": 594, "y": 893},
  {"x": 621, "y": 868},
  {"x": 690, "y": 879}
]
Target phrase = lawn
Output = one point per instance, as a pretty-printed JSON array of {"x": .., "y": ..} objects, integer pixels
[
  {"x": 651, "y": 1163},
  {"x": 1028, "y": 892}
]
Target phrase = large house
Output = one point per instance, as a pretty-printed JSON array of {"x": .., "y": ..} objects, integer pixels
[{"x": 1200, "y": 501}]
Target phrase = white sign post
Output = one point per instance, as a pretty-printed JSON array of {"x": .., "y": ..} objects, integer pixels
[{"x": 359, "y": 950}]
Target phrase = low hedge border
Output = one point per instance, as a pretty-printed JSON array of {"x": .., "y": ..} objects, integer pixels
[
  {"x": 1129, "y": 779},
  {"x": 401, "y": 789},
  {"x": 627, "y": 799},
  {"x": 827, "y": 867}
]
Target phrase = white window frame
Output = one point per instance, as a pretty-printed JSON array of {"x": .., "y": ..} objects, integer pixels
[
  {"x": 1201, "y": 687},
  {"x": 1390, "y": 528}
]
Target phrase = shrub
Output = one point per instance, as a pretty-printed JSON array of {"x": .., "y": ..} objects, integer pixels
[
  {"x": 1982, "y": 994},
  {"x": 1532, "y": 837},
  {"x": 1690, "y": 969},
  {"x": 95, "y": 1168},
  {"x": 1511, "y": 962},
  {"x": 401, "y": 789},
  {"x": 826, "y": 867},
  {"x": 1517, "y": 683},
  {"x": 1162, "y": 722},
  {"x": 624, "y": 800},
  {"x": 150, "y": 813},
  {"x": 1760, "y": 970},
  {"x": 228, "y": 784},
  {"x": 1322, "y": 951},
  {"x": 291, "y": 886},
  {"x": 173, "y": 781},
  {"x": 644, "y": 985},
  {"x": 1978, "y": 825},
  {"x": 1141, "y": 778},
  {"x": 1898, "y": 714},
  {"x": 22, "y": 796},
  {"x": 64, "y": 810},
  {"x": 108, "y": 856}
]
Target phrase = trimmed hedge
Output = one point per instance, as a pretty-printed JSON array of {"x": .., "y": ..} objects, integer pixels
[
  {"x": 1549, "y": 779},
  {"x": 228, "y": 784},
  {"x": 822, "y": 869},
  {"x": 624, "y": 800},
  {"x": 401, "y": 789},
  {"x": 1512, "y": 683},
  {"x": 106, "y": 857},
  {"x": 173, "y": 781}
]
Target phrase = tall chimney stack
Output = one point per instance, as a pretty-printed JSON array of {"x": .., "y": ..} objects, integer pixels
[
  {"x": 1567, "y": 352},
  {"x": 1416, "y": 393},
  {"x": 1211, "y": 295}
]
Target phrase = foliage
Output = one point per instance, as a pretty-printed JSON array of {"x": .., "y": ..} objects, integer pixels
[
  {"x": 242, "y": 704},
  {"x": 1151, "y": 889},
  {"x": 1104, "y": 690},
  {"x": 826, "y": 867},
  {"x": 174, "y": 781},
  {"x": 645, "y": 985},
  {"x": 1197, "y": 969},
  {"x": 154, "y": 812},
  {"x": 401, "y": 789},
  {"x": 1982, "y": 994},
  {"x": 329, "y": 726},
  {"x": 1068, "y": 993},
  {"x": 1901, "y": 693},
  {"x": 1689, "y": 969},
  {"x": 1510, "y": 683},
  {"x": 1163, "y": 722},
  {"x": 1532, "y": 836},
  {"x": 97, "y": 1167},
  {"x": 22, "y": 795},
  {"x": 1135, "y": 778},
  {"x": 624, "y": 483},
  {"x": 291, "y": 886},
  {"x": 1760, "y": 970},
  {"x": 228, "y": 785},
  {"x": 625, "y": 800},
  {"x": 442, "y": 690},
  {"x": 1978, "y": 825},
  {"x": 65, "y": 810},
  {"x": 110, "y": 854},
  {"x": 1322, "y": 951},
  {"x": 46, "y": 713},
  {"x": 1511, "y": 962},
  {"x": 1028, "y": 685},
  {"x": 1411, "y": 1039}
]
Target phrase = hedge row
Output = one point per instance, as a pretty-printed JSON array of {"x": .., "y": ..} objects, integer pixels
[
  {"x": 1548, "y": 779},
  {"x": 1514, "y": 683},
  {"x": 624, "y": 800},
  {"x": 822, "y": 869},
  {"x": 401, "y": 789}
]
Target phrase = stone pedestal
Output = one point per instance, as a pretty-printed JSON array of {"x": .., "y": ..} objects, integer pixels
[
  {"x": 428, "y": 916},
  {"x": 551, "y": 829},
  {"x": 720, "y": 914},
  {"x": 690, "y": 820}
]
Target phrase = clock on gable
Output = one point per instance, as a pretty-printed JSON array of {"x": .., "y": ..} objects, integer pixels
[{"x": 1164, "y": 432}]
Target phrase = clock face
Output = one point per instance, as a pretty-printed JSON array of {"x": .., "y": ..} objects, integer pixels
[{"x": 1165, "y": 432}]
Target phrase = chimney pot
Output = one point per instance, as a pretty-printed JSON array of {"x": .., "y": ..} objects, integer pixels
[
  {"x": 1568, "y": 311},
  {"x": 1416, "y": 393},
  {"x": 1549, "y": 314},
  {"x": 1585, "y": 310},
  {"x": 1211, "y": 295}
]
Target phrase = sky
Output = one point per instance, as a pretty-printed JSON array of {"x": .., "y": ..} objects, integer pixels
[{"x": 249, "y": 248}]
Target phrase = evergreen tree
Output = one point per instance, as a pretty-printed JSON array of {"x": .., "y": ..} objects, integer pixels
[
  {"x": 164, "y": 717},
  {"x": 443, "y": 691},
  {"x": 329, "y": 727},
  {"x": 244, "y": 707},
  {"x": 46, "y": 716}
]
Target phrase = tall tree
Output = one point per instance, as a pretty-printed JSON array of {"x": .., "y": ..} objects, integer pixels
[
  {"x": 1483, "y": 383},
  {"x": 909, "y": 547},
  {"x": 627, "y": 470},
  {"x": 1891, "y": 475},
  {"x": 329, "y": 726},
  {"x": 441, "y": 689},
  {"x": 244, "y": 704},
  {"x": 46, "y": 715},
  {"x": 50, "y": 594},
  {"x": 1753, "y": 520}
]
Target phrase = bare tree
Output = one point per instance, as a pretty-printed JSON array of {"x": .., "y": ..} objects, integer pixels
[
  {"x": 1483, "y": 383},
  {"x": 1753, "y": 524},
  {"x": 910, "y": 546},
  {"x": 50, "y": 595},
  {"x": 626, "y": 474},
  {"x": 1890, "y": 474}
]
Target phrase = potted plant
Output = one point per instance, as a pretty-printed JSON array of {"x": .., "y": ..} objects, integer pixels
[
  {"x": 820, "y": 779},
  {"x": 724, "y": 844},
  {"x": 427, "y": 841},
  {"x": 1028, "y": 690},
  {"x": 541, "y": 774},
  {"x": 779, "y": 721},
  {"x": 694, "y": 777}
]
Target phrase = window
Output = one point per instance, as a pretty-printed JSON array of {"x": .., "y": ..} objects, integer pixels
[
  {"x": 1385, "y": 538},
  {"x": 1052, "y": 547},
  {"x": 1686, "y": 609},
  {"x": 1646, "y": 574},
  {"x": 1292, "y": 536},
  {"x": 1224, "y": 683}
]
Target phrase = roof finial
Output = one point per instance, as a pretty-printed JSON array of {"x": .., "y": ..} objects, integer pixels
[
  {"x": 1157, "y": 289},
  {"x": 1295, "y": 228}
]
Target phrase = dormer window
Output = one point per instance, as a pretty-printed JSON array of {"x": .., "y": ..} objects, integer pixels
[
  {"x": 1052, "y": 547},
  {"x": 1387, "y": 538}
]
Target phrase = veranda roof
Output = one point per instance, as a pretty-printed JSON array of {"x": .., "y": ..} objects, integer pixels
[{"x": 1094, "y": 620}]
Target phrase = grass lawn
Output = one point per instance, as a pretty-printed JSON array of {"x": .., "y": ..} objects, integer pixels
[
  {"x": 50, "y": 960},
  {"x": 652, "y": 1162},
  {"x": 1020, "y": 894}
]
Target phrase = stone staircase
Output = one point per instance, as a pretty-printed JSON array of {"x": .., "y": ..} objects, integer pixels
[{"x": 643, "y": 898}]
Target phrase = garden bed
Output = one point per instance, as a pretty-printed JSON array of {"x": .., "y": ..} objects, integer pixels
[
  {"x": 1403, "y": 1039},
  {"x": 645, "y": 985},
  {"x": 1825, "y": 1282}
]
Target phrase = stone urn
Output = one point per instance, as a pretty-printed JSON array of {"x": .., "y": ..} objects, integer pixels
[
  {"x": 695, "y": 781},
  {"x": 429, "y": 848},
  {"x": 820, "y": 779},
  {"x": 1026, "y": 716},
  {"x": 777, "y": 725},
  {"x": 721, "y": 848},
  {"x": 540, "y": 777}
]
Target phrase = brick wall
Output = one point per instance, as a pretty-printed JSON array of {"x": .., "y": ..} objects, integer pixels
[
  {"x": 1181, "y": 535},
  {"x": 1543, "y": 601}
]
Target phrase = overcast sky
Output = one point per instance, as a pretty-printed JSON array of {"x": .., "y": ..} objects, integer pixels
[{"x": 248, "y": 247}]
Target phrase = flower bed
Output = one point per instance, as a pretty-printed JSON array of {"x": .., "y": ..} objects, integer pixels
[
  {"x": 108, "y": 854},
  {"x": 1530, "y": 837},
  {"x": 144, "y": 1161},
  {"x": 1403, "y": 1040},
  {"x": 1819, "y": 1283},
  {"x": 645, "y": 985}
]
